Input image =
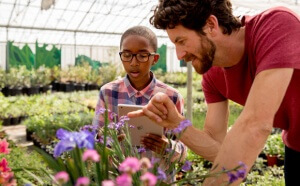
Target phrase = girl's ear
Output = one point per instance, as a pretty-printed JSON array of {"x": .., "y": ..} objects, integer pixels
[{"x": 156, "y": 57}]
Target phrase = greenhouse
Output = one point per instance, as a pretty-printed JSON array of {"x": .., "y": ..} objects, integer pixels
[{"x": 64, "y": 71}]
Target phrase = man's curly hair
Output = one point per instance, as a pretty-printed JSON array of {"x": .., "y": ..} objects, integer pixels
[{"x": 193, "y": 14}]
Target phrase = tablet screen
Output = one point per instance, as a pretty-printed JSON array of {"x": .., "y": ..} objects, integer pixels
[{"x": 141, "y": 125}]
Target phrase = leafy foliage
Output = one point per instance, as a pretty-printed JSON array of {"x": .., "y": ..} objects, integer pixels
[
  {"x": 274, "y": 145},
  {"x": 20, "y": 158},
  {"x": 47, "y": 58},
  {"x": 82, "y": 59},
  {"x": 18, "y": 57}
]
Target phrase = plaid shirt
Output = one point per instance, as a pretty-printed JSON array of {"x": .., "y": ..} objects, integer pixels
[{"x": 121, "y": 92}]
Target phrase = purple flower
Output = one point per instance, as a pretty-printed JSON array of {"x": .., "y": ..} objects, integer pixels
[
  {"x": 149, "y": 179},
  {"x": 130, "y": 165},
  {"x": 183, "y": 125},
  {"x": 112, "y": 116},
  {"x": 107, "y": 183},
  {"x": 111, "y": 125},
  {"x": 241, "y": 173},
  {"x": 91, "y": 154},
  {"x": 187, "y": 166},
  {"x": 119, "y": 125},
  {"x": 141, "y": 150},
  {"x": 69, "y": 140},
  {"x": 232, "y": 177},
  {"x": 92, "y": 128},
  {"x": 161, "y": 175},
  {"x": 122, "y": 121},
  {"x": 61, "y": 177},
  {"x": 242, "y": 165},
  {"x": 154, "y": 160},
  {"x": 82, "y": 181},
  {"x": 100, "y": 111},
  {"x": 109, "y": 141},
  {"x": 124, "y": 180},
  {"x": 124, "y": 118}
]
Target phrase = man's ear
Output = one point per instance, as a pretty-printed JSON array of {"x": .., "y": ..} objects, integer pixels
[
  {"x": 212, "y": 25},
  {"x": 156, "y": 57}
]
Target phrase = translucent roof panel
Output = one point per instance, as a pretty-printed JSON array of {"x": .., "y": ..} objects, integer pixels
[{"x": 93, "y": 22}]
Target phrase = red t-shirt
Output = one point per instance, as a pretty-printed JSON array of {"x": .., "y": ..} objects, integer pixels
[{"x": 272, "y": 40}]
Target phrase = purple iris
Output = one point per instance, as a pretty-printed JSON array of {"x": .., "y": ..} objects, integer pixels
[
  {"x": 187, "y": 166},
  {"x": 161, "y": 175},
  {"x": 69, "y": 140}
]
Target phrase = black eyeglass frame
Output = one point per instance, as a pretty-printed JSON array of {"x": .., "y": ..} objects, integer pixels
[{"x": 136, "y": 56}]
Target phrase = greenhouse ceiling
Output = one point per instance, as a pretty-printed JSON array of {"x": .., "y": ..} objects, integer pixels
[{"x": 92, "y": 22}]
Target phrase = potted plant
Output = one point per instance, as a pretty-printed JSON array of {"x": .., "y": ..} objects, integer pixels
[
  {"x": 94, "y": 80},
  {"x": 2, "y": 79},
  {"x": 44, "y": 78},
  {"x": 274, "y": 149},
  {"x": 55, "y": 77},
  {"x": 81, "y": 73},
  {"x": 66, "y": 80},
  {"x": 14, "y": 82}
]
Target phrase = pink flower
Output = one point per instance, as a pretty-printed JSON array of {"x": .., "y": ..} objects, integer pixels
[
  {"x": 149, "y": 179},
  {"x": 7, "y": 179},
  {"x": 124, "y": 180},
  {"x": 4, "y": 147},
  {"x": 107, "y": 183},
  {"x": 4, "y": 166},
  {"x": 82, "y": 181},
  {"x": 61, "y": 177},
  {"x": 91, "y": 154},
  {"x": 130, "y": 165}
]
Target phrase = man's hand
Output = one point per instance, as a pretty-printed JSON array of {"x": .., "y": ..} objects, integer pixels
[
  {"x": 161, "y": 110},
  {"x": 155, "y": 143}
]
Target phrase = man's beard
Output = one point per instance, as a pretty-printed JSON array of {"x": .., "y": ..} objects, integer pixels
[{"x": 206, "y": 55}]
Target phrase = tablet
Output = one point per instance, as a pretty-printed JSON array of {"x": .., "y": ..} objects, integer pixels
[{"x": 142, "y": 125}]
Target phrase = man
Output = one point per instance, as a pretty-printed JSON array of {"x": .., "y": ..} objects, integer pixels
[{"x": 254, "y": 62}]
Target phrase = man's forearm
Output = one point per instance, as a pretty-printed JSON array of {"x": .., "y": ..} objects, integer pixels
[
  {"x": 201, "y": 143},
  {"x": 241, "y": 144}
]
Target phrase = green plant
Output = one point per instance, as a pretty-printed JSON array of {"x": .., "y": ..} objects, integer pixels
[
  {"x": 177, "y": 78},
  {"x": 111, "y": 160},
  {"x": 43, "y": 75},
  {"x": 55, "y": 73},
  {"x": 45, "y": 126},
  {"x": 47, "y": 58},
  {"x": 13, "y": 78},
  {"x": 21, "y": 158},
  {"x": 274, "y": 146},
  {"x": 272, "y": 176},
  {"x": 18, "y": 57},
  {"x": 2, "y": 78},
  {"x": 95, "y": 78},
  {"x": 108, "y": 73}
]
